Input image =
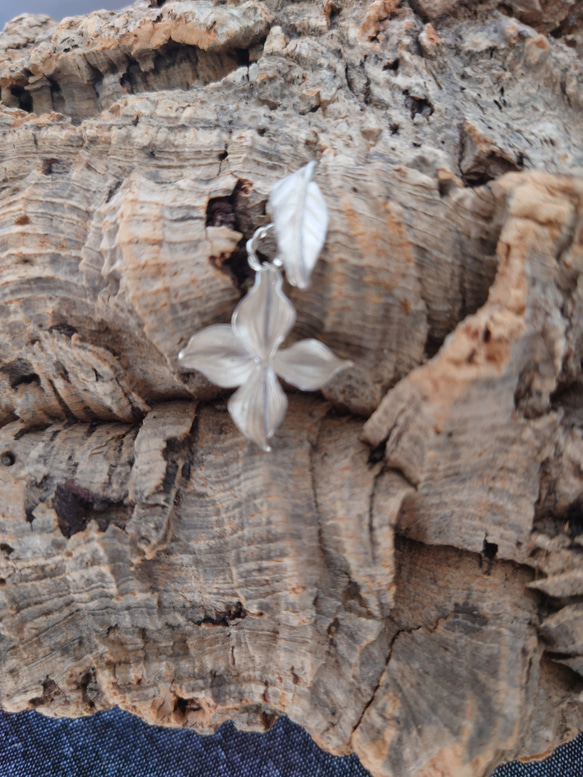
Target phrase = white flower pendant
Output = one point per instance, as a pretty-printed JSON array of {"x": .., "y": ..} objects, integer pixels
[{"x": 245, "y": 353}]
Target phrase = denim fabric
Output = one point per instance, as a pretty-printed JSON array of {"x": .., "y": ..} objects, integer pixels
[
  {"x": 116, "y": 744},
  {"x": 566, "y": 761}
]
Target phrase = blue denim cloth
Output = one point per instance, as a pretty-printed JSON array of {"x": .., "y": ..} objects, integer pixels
[
  {"x": 566, "y": 761},
  {"x": 116, "y": 744}
]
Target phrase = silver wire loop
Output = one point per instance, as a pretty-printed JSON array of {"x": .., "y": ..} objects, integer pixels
[{"x": 260, "y": 234}]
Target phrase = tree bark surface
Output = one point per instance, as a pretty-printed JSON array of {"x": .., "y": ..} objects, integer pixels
[{"x": 402, "y": 575}]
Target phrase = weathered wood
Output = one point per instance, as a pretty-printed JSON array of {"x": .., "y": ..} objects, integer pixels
[{"x": 402, "y": 574}]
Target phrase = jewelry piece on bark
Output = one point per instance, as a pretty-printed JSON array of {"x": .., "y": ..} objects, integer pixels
[{"x": 245, "y": 353}]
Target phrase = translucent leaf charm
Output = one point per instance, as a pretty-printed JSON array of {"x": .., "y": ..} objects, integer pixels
[
  {"x": 245, "y": 353},
  {"x": 300, "y": 217}
]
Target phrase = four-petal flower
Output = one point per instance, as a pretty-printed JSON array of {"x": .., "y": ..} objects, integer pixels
[{"x": 246, "y": 354}]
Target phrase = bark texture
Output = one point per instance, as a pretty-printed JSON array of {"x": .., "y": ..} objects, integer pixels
[{"x": 402, "y": 575}]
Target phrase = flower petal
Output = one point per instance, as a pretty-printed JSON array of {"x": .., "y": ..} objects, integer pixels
[
  {"x": 308, "y": 365},
  {"x": 264, "y": 317},
  {"x": 259, "y": 406},
  {"x": 218, "y": 354},
  {"x": 300, "y": 215}
]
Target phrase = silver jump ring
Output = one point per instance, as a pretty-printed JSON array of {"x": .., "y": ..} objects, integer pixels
[{"x": 258, "y": 235}]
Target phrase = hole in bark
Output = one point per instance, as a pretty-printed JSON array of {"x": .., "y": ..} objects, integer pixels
[
  {"x": 418, "y": 105},
  {"x": 76, "y": 506},
  {"x": 131, "y": 80},
  {"x": 50, "y": 692},
  {"x": 242, "y": 56},
  {"x": 20, "y": 372},
  {"x": 394, "y": 65},
  {"x": 48, "y": 166},
  {"x": 575, "y": 519},
  {"x": 230, "y": 212},
  {"x": 57, "y": 97},
  {"x": 97, "y": 82},
  {"x": 489, "y": 550},
  {"x": 570, "y": 42},
  {"x": 169, "y": 476},
  {"x": 376, "y": 454},
  {"x": 63, "y": 329},
  {"x": 331, "y": 10},
  {"x": 220, "y": 211},
  {"x": 7, "y": 459},
  {"x": 445, "y": 186},
  {"x": 85, "y": 682},
  {"x": 268, "y": 719},
  {"x": 174, "y": 61},
  {"x": 127, "y": 82},
  {"x": 71, "y": 511},
  {"x": 332, "y": 629},
  {"x": 24, "y": 98},
  {"x": 186, "y": 468},
  {"x": 233, "y": 613},
  {"x": 6, "y": 549},
  {"x": 485, "y": 168},
  {"x": 26, "y": 380}
]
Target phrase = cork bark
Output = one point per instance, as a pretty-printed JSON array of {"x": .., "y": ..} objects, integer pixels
[{"x": 402, "y": 574}]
